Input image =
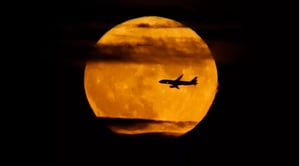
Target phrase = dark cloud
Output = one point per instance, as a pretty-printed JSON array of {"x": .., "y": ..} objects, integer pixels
[
  {"x": 143, "y": 25},
  {"x": 153, "y": 51},
  {"x": 146, "y": 25},
  {"x": 78, "y": 52}
]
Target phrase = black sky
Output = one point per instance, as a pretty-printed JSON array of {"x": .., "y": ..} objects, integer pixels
[{"x": 253, "y": 119}]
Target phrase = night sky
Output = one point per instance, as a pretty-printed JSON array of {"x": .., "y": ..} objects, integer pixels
[{"x": 253, "y": 119}]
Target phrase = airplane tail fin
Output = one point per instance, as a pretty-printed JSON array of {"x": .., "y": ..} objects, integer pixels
[{"x": 194, "y": 81}]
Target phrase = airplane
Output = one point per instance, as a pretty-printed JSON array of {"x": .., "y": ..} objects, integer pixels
[{"x": 175, "y": 83}]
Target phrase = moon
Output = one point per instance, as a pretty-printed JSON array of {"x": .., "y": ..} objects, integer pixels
[{"x": 122, "y": 81}]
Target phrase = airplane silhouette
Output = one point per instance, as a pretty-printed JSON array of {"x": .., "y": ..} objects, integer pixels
[{"x": 175, "y": 83}]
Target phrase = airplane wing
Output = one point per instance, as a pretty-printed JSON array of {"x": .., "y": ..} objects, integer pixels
[{"x": 179, "y": 77}]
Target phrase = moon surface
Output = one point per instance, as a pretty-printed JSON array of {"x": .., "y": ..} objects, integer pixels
[{"x": 121, "y": 82}]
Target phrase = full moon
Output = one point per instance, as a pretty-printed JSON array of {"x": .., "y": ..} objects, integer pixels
[{"x": 122, "y": 82}]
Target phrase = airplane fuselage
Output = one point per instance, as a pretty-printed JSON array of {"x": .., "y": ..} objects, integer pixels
[{"x": 175, "y": 83}]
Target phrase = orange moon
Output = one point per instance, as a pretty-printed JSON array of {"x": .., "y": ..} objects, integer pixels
[{"x": 122, "y": 82}]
